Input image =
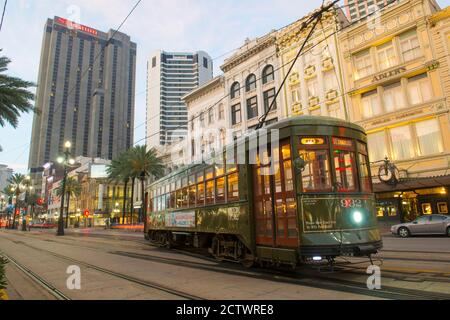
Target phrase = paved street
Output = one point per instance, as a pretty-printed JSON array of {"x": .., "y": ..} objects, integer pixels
[{"x": 121, "y": 265}]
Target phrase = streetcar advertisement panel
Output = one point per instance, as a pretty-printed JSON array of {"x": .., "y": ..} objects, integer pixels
[
  {"x": 180, "y": 219},
  {"x": 327, "y": 214}
]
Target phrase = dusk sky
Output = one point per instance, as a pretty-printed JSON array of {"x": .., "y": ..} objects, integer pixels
[{"x": 216, "y": 27}]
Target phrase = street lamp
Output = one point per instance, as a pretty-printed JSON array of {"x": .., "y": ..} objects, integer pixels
[
  {"x": 65, "y": 160},
  {"x": 29, "y": 188}
]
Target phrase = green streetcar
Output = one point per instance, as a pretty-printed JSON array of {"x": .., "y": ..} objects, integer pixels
[{"x": 295, "y": 192}]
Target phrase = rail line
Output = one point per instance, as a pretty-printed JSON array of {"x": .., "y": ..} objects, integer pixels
[
  {"x": 41, "y": 282},
  {"x": 144, "y": 283},
  {"x": 285, "y": 276}
]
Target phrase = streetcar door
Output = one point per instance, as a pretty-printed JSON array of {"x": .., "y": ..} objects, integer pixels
[
  {"x": 263, "y": 206},
  {"x": 285, "y": 198},
  {"x": 274, "y": 198}
]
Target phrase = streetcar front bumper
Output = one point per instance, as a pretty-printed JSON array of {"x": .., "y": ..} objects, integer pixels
[{"x": 355, "y": 250}]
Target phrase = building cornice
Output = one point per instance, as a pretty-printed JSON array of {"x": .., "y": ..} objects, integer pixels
[
  {"x": 261, "y": 44},
  {"x": 204, "y": 89}
]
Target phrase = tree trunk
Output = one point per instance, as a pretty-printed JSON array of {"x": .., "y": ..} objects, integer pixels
[
  {"x": 133, "y": 180},
  {"x": 124, "y": 209},
  {"x": 67, "y": 212}
]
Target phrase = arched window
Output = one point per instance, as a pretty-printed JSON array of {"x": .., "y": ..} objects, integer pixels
[
  {"x": 250, "y": 84},
  {"x": 268, "y": 74},
  {"x": 235, "y": 90}
]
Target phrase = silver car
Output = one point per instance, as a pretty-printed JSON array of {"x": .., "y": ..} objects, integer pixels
[{"x": 426, "y": 225}]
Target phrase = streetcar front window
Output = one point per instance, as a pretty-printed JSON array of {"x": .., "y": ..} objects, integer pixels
[
  {"x": 344, "y": 163},
  {"x": 316, "y": 176}
]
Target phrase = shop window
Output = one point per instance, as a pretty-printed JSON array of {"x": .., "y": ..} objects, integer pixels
[
  {"x": 410, "y": 46},
  {"x": 429, "y": 137},
  {"x": 377, "y": 146},
  {"x": 370, "y": 104},
  {"x": 386, "y": 56},
  {"x": 419, "y": 89},
  {"x": 442, "y": 207},
  {"x": 402, "y": 145},
  {"x": 427, "y": 208},
  {"x": 393, "y": 97},
  {"x": 380, "y": 212}
]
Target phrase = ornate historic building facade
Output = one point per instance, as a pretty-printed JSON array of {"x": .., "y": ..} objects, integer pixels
[
  {"x": 394, "y": 86},
  {"x": 315, "y": 84}
]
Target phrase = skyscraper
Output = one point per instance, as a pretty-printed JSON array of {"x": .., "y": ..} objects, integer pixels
[
  {"x": 85, "y": 94},
  {"x": 358, "y": 9},
  {"x": 170, "y": 76}
]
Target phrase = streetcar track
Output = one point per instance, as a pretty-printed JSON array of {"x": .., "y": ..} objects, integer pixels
[
  {"x": 144, "y": 283},
  {"x": 274, "y": 275},
  {"x": 41, "y": 282}
]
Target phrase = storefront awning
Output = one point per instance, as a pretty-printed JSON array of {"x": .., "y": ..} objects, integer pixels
[{"x": 414, "y": 183}]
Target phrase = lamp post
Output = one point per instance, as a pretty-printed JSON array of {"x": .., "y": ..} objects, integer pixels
[
  {"x": 65, "y": 161},
  {"x": 28, "y": 187}
]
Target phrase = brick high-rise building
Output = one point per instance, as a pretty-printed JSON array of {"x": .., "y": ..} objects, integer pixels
[{"x": 85, "y": 94}]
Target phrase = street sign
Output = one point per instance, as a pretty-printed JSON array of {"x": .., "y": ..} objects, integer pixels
[{"x": 86, "y": 213}]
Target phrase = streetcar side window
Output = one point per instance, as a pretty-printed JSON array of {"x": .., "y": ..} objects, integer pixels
[
  {"x": 344, "y": 164},
  {"x": 233, "y": 187},
  {"x": 200, "y": 190},
  {"x": 316, "y": 176},
  {"x": 192, "y": 192},
  {"x": 364, "y": 168}
]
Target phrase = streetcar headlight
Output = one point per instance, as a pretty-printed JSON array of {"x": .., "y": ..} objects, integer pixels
[
  {"x": 317, "y": 258},
  {"x": 357, "y": 217}
]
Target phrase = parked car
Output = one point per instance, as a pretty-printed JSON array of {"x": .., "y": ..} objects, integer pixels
[{"x": 426, "y": 225}]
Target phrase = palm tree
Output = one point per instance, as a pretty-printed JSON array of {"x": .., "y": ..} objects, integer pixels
[
  {"x": 119, "y": 171},
  {"x": 73, "y": 189},
  {"x": 30, "y": 201},
  {"x": 17, "y": 183},
  {"x": 14, "y": 96},
  {"x": 144, "y": 164}
]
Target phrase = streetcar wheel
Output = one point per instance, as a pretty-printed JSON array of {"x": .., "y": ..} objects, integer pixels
[{"x": 404, "y": 233}]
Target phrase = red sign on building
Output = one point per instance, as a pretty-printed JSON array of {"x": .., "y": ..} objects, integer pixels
[{"x": 73, "y": 25}]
